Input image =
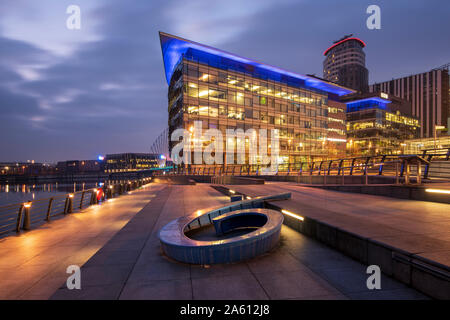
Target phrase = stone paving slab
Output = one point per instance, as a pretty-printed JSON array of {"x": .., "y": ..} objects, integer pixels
[
  {"x": 410, "y": 240},
  {"x": 299, "y": 268}
]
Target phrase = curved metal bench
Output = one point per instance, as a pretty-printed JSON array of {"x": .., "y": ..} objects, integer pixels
[{"x": 178, "y": 246}]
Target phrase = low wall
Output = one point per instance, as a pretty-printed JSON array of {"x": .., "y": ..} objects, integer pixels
[
  {"x": 236, "y": 180},
  {"x": 410, "y": 192},
  {"x": 182, "y": 180}
]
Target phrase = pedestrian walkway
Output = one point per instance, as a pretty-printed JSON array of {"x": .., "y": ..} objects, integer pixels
[
  {"x": 33, "y": 264},
  {"x": 132, "y": 266}
]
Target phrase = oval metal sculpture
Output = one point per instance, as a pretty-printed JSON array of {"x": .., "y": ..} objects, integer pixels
[{"x": 265, "y": 230}]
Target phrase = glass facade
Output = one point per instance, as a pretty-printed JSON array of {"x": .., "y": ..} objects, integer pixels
[
  {"x": 227, "y": 99},
  {"x": 337, "y": 130},
  {"x": 375, "y": 131},
  {"x": 226, "y": 93}
]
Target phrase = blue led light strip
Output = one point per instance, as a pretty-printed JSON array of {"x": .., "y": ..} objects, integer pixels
[{"x": 173, "y": 48}]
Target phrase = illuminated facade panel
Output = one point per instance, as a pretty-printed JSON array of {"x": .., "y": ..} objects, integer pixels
[{"x": 376, "y": 126}]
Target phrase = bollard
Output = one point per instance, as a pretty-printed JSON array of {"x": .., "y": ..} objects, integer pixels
[
  {"x": 19, "y": 218},
  {"x": 81, "y": 200},
  {"x": 94, "y": 196},
  {"x": 69, "y": 204},
  {"x": 26, "y": 220},
  {"x": 49, "y": 209}
]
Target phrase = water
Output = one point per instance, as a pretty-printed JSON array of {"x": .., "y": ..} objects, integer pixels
[{"x": 18, "y": 193}]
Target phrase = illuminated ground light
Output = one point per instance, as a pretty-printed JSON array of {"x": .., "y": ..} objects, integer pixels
[
  {"x": 293, "y": 215},
  {"x": 438, "y": 191}
]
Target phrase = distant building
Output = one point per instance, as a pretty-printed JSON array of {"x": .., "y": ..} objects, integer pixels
[
  {"x": 25, "y": 168},
  {"x": 345, "y": 64},
  {"x": 378, "y": 124},
  {"x": 122, "y": 162},
  {"x": 78, "y": 166},
  {"x": 429, "y": 96}
]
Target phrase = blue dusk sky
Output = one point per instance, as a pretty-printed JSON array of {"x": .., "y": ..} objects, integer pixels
[{"x": 75, "y": 94}]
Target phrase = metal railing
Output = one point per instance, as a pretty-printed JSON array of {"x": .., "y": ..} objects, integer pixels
[
  {"x": 434, "y": 155},
  {"x": 381, "y": 165},
  {"x": 27, "y": 215}
]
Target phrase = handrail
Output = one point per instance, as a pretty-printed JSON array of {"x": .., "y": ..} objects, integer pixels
[
  {"x": 330, "y": 166},
  {"x": 21, "y": 216},
  {"x": 325, "y": 167}
]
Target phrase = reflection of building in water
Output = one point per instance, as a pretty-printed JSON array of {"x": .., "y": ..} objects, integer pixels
[
  {"x": 226, "y": 91},
  {"x": 378, "y": 124}
]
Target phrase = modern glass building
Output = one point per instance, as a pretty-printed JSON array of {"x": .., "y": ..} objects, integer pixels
[
  {"x": 429, "y": 94},
  {"x": 227, "y": 91},
  {"x": 378, "y": 125}
]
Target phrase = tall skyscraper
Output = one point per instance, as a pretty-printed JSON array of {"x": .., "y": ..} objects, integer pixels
[
  {"x": 345, "y": 63},
  {"x": 428, "y": 93}
]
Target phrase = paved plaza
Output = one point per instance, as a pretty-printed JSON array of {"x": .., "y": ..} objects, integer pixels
[{"x": 117, "y": 246}]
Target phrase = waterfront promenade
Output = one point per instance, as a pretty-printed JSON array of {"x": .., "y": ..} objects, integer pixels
[
  {"x": 33, "y": 264},
  {"x": 118, "y": 248}
]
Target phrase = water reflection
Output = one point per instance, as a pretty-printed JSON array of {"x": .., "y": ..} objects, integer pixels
[{"x": 17, "y": 193}]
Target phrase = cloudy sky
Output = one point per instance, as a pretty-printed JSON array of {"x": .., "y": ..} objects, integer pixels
[{"x": 75, "y": 94}]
